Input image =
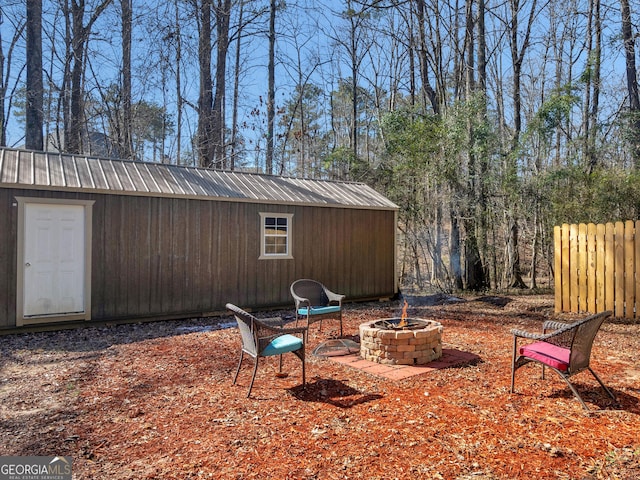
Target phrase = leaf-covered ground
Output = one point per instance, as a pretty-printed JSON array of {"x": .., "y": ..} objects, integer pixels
[{"x": 155, "y": 401}]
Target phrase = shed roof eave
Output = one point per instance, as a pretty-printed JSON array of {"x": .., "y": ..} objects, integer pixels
[
  {"x": 206, "y": 198},
  {"x": 80, "y": 173}
]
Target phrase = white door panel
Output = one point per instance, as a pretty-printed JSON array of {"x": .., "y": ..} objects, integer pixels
[{"x": 54, "y": 259}]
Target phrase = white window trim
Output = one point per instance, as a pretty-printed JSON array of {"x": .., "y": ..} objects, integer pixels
[{"x": 276, "y": 256}]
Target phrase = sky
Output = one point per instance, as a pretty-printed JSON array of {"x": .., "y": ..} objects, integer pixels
[{"x": 308, "y": 27}]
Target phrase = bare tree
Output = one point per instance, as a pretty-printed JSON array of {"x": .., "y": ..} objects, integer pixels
[
  {"x": 592, "y": 83},
  {"x": 518, "y": 50},
  {"x": 205, "y": 141},
  {"x": 222, "y": 10},
  {"x": 126, "y": 142},
  {"x": 79, "y": 37},
  {"x": 271, "y": 87},
  {"x": 632, "y": 82},
  {"x": 35, "y": 92},
  {"x": 354, "y": 44},
  {"x": 7, "y": 91},
  {"x": 431, "y": 94},
  {"x": 178, "y": 91},
  {"x": 236, "y": 88}
]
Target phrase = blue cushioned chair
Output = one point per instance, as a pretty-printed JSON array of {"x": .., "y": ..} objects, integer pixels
[
  {"x": 315, "y": 302},
  {"x": 266, "y": 337}
]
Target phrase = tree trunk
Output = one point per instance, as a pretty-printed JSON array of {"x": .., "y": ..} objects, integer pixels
[
  {"x": 513, "y": 257},
  {"x": 475, "y": 277},
  {"x": 236, "y": 91},
  {"x": 424, "y": 63},
  {"x": 534, "y": 252},
  {"x": 596, "y": 82},
  {"x": 481, "y": 194},
  {"x": 73, "y": 136},
  {"x": 355, "y": 63},
  {"x": 76, "y": 126},
  {"x": 454, "y": 252},
  {"x": 5, "y": 101},
  {"x": 179, "y": 99},
  {"x": 271, "y": 93},
  {"x": 205, "y": 95},
  {"x": 223, "y": 17},
  {"x": 517, "y": 58},
  {"x": 35, "y": 92},
  {"x": 438, "y": 267},
  {"x": 126, "y": 145},
  {"x": 632, "y": 82}
]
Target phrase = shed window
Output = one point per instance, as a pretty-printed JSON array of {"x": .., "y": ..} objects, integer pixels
[{"x": 276, "y": 235}]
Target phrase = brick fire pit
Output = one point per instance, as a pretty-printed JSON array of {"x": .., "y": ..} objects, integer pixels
[{"x": 388, "y": 342}]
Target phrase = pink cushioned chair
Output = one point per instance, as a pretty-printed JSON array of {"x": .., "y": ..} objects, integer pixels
[{"x": 566, "y": 350}]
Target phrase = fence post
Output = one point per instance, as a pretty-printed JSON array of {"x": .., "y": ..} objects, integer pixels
[
  {"x": 566, "y": 266},
  {"x": 600, "y": 268},
  {"x": 591, "y": 268},
  {"x": 557, "y": 268},
  {"x": 619, "y": 249},
  {"x": 629, "y": 267},
  {"x": 609, "y": 262}
]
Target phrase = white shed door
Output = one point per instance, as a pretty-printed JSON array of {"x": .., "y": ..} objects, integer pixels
[{"x": 54, "y": 256}]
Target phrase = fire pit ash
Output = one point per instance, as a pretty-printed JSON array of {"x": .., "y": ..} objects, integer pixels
[
  {"x": 400, "y": 323},
  {"x": 401, "y": 341}
]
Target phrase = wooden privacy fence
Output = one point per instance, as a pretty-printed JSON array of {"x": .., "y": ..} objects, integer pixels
[{"x": 596, "y": 268}]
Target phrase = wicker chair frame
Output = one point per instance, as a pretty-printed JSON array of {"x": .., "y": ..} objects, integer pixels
[
  {"x": 575, "y": 337},
  {"x": 257, "y": 335},
  {"x": 309, "y": 293}
]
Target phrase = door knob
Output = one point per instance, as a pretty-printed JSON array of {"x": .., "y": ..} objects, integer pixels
[{"x": 27, "y": 264}]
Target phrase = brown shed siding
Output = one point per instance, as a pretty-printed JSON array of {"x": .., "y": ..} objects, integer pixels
[
  {"x": 170, "y": 241},
  {"x": 8, "y": 225},
  {"x": 163, "y": 257}
]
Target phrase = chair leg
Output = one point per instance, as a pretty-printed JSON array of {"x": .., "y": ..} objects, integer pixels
[
  {"x": 513, "y": 363},
  {"x": 606, "y": 389},
  {"x": 238, "y": 369},
  {"x": 300, "y": 355},
  {"x": 280, "y": 365},
  {"x": 253, "y": 377},
  {"x": 575, "y": 392}
]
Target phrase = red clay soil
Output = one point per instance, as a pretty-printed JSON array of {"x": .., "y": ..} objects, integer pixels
[{"x": 156, "y": 401}]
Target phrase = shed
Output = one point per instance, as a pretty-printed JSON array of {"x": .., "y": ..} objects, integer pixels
[{"x": 97, "y": 239}]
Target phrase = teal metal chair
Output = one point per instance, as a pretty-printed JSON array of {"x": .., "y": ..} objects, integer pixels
[
  {"x": 267, "y": 337},
  {"x": 315, "y": 302}
]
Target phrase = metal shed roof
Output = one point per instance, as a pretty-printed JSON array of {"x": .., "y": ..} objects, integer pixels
[{"x": 54, "y": 171}]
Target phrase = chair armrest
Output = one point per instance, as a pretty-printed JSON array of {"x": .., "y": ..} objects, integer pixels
[
  {"x": 301, "y": 301},
  {"x": 525, "y": 334},
  {"x": 334, "y": 297},
  {"x": 553, "y": 325},
  {"x": 272, "y": 321},
  {"x": 540, "y": 336},
  {"x": 292, "y": 330},
  {"x": 561, "y": 337},
  {"x": 274, "y": 326}
]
